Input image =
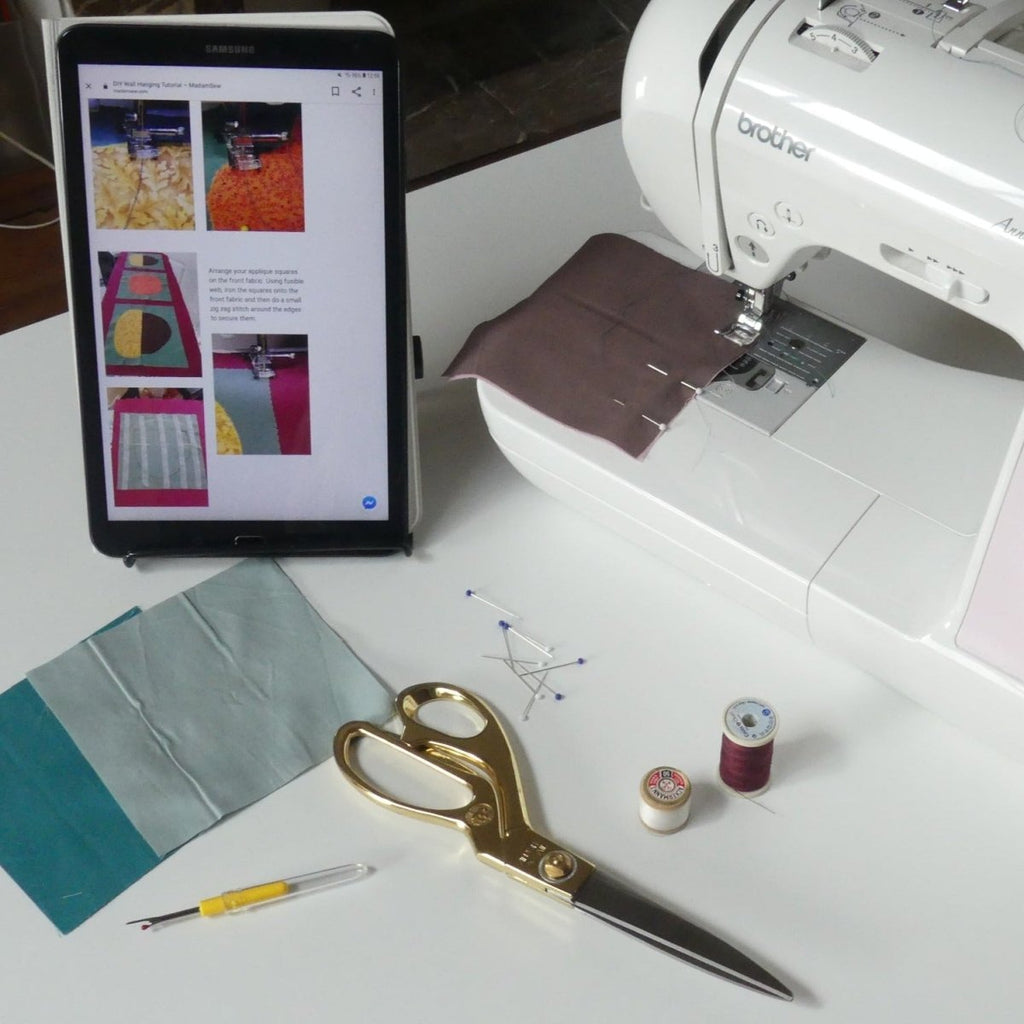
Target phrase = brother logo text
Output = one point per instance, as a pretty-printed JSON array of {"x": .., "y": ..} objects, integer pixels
[{"x": 777, "y": 138}]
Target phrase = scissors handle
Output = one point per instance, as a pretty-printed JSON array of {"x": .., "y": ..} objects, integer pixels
[
  {"x": 344, "y": 754},
  {"x": 494, "y": 818}
]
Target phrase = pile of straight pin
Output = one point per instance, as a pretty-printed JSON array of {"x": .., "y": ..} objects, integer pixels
[{"x": 530, "y": 670}]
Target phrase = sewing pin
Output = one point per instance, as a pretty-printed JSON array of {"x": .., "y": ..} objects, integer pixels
[
  {"x": 686, "y": 384},
  {"x": 661, "y": 426},
  {"x": 535, "y": 695},
  {"x": 512, "y": 661},
  {"x": 491, "y": 604},
  {"x": 536, "y": 644},
  {"x": 550, "y": 668},
  {"x": 512, "y": 664},
  {"x": 541, "y": 685}
]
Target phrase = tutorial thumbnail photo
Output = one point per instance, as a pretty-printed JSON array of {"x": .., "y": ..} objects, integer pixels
[
  {"x": 253, "y": 168},
  {"x": 142, "y": 164}
]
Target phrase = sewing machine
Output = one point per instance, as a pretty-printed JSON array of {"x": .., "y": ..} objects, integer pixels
[
  {"x": 245, "y": 143},
  {"x": 143, "y": 138},
  {"x": 848, "y": 489}
]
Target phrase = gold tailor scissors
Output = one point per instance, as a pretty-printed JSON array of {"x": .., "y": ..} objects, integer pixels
[{"x": 495, "y": 819}]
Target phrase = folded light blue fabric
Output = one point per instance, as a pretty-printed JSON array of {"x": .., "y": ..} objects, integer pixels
[{"x": 209, "y": 700}]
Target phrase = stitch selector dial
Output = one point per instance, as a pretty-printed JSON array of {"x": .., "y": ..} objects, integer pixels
[{"x": 838, "y": 42}]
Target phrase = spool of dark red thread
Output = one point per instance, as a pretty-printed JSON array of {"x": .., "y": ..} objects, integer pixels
[{"x": 748, "y": 742}]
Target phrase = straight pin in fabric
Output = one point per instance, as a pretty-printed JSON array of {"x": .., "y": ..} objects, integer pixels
[
  {"x": 483, "y": 600},
  {"x": 686, "y": 384},
  {"x": 661, "y": 426}
]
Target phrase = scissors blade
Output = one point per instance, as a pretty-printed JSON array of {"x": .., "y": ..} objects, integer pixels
[{"x": 615, "y": 903}]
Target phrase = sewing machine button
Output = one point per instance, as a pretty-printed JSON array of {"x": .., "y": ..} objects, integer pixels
[
  {"x": 789, "y": 215},
  {"x": 750, "y": 248},
  {"x": 973, "y": 293},
  {"x": 760, "y": 223}
]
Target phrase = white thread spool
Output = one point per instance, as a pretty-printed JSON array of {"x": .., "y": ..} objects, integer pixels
[{"x": 664, "y": 799}]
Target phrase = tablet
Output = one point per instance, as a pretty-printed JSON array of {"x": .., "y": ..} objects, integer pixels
[{"x": 234, "y": 230}]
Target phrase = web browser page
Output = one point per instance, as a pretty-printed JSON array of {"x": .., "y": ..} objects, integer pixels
[{"x": 236, "y": 223}]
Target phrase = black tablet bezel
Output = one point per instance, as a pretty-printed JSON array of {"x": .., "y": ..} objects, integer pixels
[{"x": 241, "y": 46}]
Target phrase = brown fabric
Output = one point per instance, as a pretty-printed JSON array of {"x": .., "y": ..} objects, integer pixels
[{"x": 582, "y": 347}]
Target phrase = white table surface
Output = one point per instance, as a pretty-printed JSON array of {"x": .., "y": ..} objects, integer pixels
[{"x": 880, "y": 875}]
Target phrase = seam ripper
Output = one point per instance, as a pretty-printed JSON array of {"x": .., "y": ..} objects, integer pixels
[{"x": 252, "y": 896}]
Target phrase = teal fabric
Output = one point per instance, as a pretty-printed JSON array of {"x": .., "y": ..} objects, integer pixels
[
  {"x": 132, "y": 742},
  {"x": 210, "y": 700},
  {"x": 63, "y": 837}
]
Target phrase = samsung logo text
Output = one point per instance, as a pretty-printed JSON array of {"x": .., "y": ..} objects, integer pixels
[{"x": 230, "y": 48}]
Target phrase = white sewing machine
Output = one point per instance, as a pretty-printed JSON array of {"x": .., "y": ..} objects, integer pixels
[{"x": 842, "y": 486}]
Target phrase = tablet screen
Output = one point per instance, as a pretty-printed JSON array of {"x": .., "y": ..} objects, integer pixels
[{"x": 237, "y": 260}]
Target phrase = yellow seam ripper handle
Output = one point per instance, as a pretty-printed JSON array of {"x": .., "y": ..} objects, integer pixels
[{"x": 241, "y": 899}]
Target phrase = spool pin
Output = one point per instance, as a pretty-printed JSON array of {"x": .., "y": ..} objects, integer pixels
[
  {"x": 748, "y": 741},
  {"x": 665, "y": 799}
]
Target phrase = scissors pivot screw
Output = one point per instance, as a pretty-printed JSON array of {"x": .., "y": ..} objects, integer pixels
[
  {"x": 558, "y": 866},
  {"x": 480, "y": 814}
]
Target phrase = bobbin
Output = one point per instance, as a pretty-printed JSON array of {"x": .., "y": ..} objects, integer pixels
[
  {"x": 748, "y": 738},
  {"x": 665, "y": 799}
]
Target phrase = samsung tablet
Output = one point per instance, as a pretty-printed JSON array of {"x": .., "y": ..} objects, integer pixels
[{"x": 234, "y": 201}]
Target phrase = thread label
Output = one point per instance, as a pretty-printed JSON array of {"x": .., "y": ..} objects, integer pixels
[
  {"x": 667, "y": 785},
  {"x": 750, "y": 721}
]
